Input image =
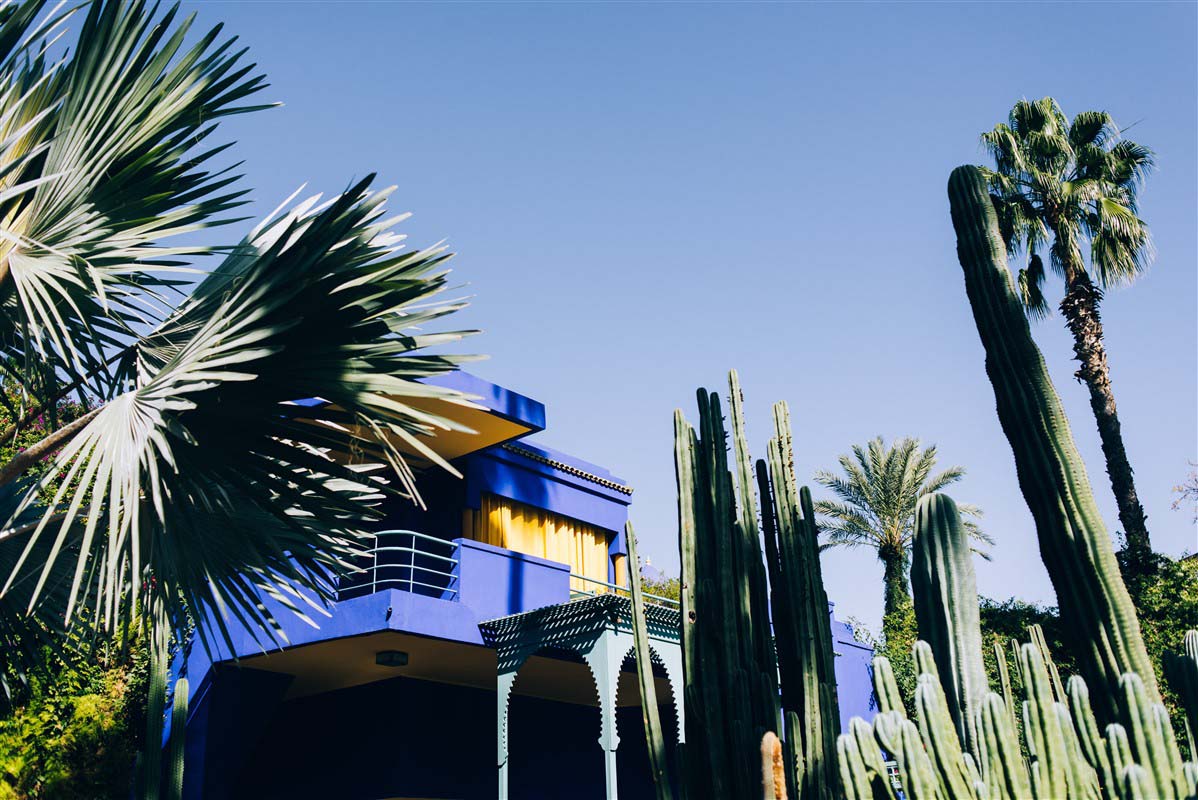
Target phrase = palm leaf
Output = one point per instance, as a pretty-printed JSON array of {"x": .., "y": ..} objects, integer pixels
[
  {"x": 109, "y": 166},
  {"x": 206, "y": 476}
]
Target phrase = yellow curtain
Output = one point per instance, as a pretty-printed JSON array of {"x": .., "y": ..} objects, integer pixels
[{"x": 525, "y": 529}]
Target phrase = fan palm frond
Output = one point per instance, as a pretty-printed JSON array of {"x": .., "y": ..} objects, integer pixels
[
  {"x": 1031, "y": 288},
  {"x": 1073, "y": 183},
  {"x": 207, "y": 475},
  {"x": 100, "y": 162}
]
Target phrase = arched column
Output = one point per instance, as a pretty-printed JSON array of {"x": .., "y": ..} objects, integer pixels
[
  {"x": 599, "y": 630},
  {"x": 668, "y": 656},
  {"x": 503, "y": 693},
  {"x": 604, "y": 658},
  {"x": 671, "y": 661}
]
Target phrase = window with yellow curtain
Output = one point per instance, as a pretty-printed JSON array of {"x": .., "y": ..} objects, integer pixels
[{"x": 537, "y": 532}]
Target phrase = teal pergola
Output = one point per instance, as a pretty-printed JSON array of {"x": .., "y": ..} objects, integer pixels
[{"x": 599, "y": 630}]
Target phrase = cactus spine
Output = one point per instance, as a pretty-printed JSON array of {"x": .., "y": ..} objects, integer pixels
[
  {"x": 1095, "y": 606},
  {"x": 946, "y": 609}
]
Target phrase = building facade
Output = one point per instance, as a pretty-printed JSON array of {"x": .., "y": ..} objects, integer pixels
[{"x": 482, "y": 649}]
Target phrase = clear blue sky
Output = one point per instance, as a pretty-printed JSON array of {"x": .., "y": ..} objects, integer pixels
[{"x": 642, "y": 196}]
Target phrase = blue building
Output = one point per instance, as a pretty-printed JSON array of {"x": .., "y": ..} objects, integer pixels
[{"x": 482, "y": 649}]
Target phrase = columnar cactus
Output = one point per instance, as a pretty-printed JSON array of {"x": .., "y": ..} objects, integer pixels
[
  {"x": 800, "y": 616},
  {"x": 1183, "y": 677},
  {"x": 731, "y": 659},
  {"x": 150, "y": 760},
  {"x": 1136, "y": 757},
  {"x": 730, "y": 670},
  {"x": 176, "y": 744},
  {"x": 654, "y": 734},
  {"x": 946, "y": 609},
  {"x": 1095, "y": 607}
]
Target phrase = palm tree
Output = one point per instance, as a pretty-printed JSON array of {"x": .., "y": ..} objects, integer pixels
[
  {"x": 1067, "y": 185},
  {"x": 196, "y": 480},
  {"x": 877, "y": 494}
]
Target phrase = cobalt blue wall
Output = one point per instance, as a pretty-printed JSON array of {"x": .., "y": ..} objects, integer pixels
[
  {"x": 854, "y": 673},
  {"x": 409, "y": 738},
  {"x": 494, "y": 582}
]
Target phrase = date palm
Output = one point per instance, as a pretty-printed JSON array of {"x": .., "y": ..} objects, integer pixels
[
  {"x": 877, "y": 491},
  {"x": 242, "y": 426},
  {"x": 1070, "y": 186}
]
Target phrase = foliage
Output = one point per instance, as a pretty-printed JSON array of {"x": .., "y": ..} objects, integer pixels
[
  {"x": 662, "y": 586},
  {"x": 1007, "y": 622},
  {"x": 1167, "y": 604},
  {"x": 899, "y": 632},
  {"x": 1187, "y": 494},
  {"x": 75, "y": 734},
  {"x": 14, "y": 408},
  {"x": 243, "y": 435},
  {"x": 1074, "y": 181}
]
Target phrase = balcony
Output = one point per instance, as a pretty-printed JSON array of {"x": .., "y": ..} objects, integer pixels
[
  {"x": 408, "y": 561},
  {"x": 491, "y": 580}
]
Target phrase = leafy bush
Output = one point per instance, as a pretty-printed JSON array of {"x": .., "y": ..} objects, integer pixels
[{"x": 75, "y": 734}]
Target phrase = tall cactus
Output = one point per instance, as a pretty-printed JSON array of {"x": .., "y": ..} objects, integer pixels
[
  {"x": 1182, "y": 672},
  {"x": 654, "y": 733},
  {"x": 149, "y": 776},
  {"x": 1095, "y": 607},
  {"x": 177, "y": 742},
  {"x": 946, "y": 610},
  {"x": 731, "y": 660},
  {"x": 800, "y": 616},
  {"x": 730, "y": 671}
]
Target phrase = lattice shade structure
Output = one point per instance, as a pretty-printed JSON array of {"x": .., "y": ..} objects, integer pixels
[{"x": 599, "y": 630}]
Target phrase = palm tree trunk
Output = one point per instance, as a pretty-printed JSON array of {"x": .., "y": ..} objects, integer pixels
[
  {"x": 25, "y": 459},
  {"x": 1080, "y": 309},
  {"x": 894, "y": 578}
]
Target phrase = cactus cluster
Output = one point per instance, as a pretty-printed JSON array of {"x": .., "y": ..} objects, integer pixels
[
  {"x": 942, "y": 580},
  {"x": 964, "y": 741},
  {"x": 1135, "y": 756},
  {"x": 746, "y": 675},
  {"x": 1102, "y": 735}
]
